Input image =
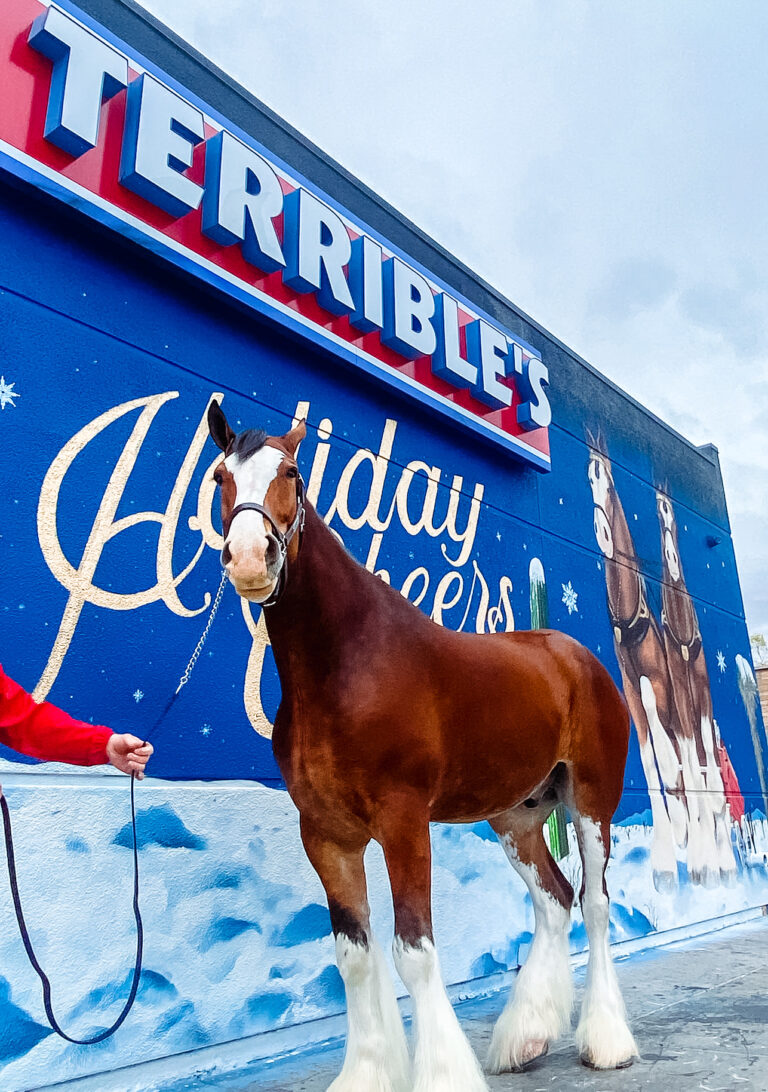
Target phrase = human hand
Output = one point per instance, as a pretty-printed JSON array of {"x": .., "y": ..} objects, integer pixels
[{"x": 128, "y": 753}]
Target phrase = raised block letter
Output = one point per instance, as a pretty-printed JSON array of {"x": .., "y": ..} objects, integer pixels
[
  {"x": 161, "y": 131},
  {"x": 534, "y": 410},
  {"x": 408, "y": 309},
  {"x": 86, "y": 72},
  {"x": 317, "y": 247},
  {"x": 488, "y": 349},
  {"x": 365, "y": 272},
  {"x": 447, "y": 361},
  {"x": 242, "y": 198}
]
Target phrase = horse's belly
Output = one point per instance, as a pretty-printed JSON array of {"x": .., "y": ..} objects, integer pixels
[{"x": 492, "y": 783}]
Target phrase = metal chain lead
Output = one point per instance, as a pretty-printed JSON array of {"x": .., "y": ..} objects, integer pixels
[{"x": 203, "y": 637}]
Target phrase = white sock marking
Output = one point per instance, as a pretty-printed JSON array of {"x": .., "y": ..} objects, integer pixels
[
  {"x": 444, "y": 1059},
  {"x": 603, "y": 1035},
  {"x": 376, "y": 1058},
  {"x": 539, "y": 1010}
]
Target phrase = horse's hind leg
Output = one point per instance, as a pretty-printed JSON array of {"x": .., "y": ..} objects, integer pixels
[
  {"x": 540, "y": 1009},
  {"x": 376, "y": 1058},
  {"x": 444, "y": 1060},
  {"x": 602, "y": 1036}
]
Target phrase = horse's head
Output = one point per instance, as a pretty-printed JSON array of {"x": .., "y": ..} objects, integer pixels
[
  {"x": 668, "y": 527},
  {"x": 261, "y": 503},
  {"x": 604, "y": 499}
]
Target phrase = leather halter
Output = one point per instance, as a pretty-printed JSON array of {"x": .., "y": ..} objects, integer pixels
[
  {"x": 283, "y": 540},
  {"x": 689, "y": 650},
  {"x": 628, "y": 634},
  {"x": 631, "y": 633}
]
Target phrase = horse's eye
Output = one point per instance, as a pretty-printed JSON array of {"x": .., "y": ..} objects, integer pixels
[
  {"x": 291, "y": 472},
  {"x": 217, "y": 478}
]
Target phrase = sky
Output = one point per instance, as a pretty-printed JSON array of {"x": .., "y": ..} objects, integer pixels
[{"x": 602, "y": 163}]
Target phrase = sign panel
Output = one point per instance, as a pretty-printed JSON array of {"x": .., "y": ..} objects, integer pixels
[{"x": 88, "y": 120}]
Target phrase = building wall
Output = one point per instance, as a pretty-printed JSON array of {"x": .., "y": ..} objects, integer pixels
[
  {"x": 761, "y": 674},
  {"x": 115, "y": 358}
]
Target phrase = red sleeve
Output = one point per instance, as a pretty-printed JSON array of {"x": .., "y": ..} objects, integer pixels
[{"x": 46, "y": 732}]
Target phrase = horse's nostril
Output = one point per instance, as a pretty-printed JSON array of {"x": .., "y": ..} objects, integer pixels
[
  {"x": 270, "y": 557},
  {"x": 226, "y": 554}
]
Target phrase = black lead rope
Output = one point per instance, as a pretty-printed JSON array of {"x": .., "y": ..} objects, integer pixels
[
  {"x": 26, "y": 941},
  {"x": 13, "y": 878}
]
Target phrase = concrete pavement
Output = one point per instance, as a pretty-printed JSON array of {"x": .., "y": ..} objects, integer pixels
[{"x": 698, "y": 1008}]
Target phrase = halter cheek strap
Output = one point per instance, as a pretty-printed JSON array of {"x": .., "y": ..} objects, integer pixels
[{"x": 283, "y": 539}]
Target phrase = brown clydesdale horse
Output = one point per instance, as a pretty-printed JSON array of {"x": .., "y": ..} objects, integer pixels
[
  {"x": 648, "y": 688},
  {"x": 388, "y": 722},
  {"x": 709, "y": 820}
]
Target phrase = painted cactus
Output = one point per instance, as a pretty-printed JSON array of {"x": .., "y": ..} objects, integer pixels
[{"x": 556, "y": 824}]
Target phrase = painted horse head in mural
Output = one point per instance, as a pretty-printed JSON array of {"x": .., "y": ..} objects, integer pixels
[
  {"x": 647, "y": 687},
  {"x": 690, "y": 680},
  {"x": 387, "y": 721}
]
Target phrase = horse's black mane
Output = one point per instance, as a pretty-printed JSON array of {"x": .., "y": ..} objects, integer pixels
[{"x": 248, "y": 443}]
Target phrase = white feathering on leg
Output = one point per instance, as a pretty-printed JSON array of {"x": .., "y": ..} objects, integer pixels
[
  {"x": 602, "y": 1036},
  {"x": 444, "y": 1060},
  {"x": 376, "y": 1058}
]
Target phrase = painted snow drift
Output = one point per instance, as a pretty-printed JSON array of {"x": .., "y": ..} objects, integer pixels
[{"x": 238, "y": 936}]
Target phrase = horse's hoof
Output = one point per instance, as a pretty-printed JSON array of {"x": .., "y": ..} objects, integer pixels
[
  {"x": 590, "y": 1064},
  {"x": 533, "y": 1051},
  {"x": 664, "y": 882},
  {"x": 710, "y": 878}
]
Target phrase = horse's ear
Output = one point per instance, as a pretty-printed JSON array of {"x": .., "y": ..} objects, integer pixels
[
  {"x": 293, "y": 438},
  {"x": 218, "y": 426}
]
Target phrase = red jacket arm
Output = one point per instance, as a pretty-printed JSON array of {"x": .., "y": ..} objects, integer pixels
[{"x": 46, "y": 732}]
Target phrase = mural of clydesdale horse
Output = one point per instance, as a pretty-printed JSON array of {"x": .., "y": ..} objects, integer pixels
[
  {"x": 388, "y": 722},
  {"x": 671, "y": 709},
  {"x": 708, "y": 814},
  {"x": 642, "y": 661}
]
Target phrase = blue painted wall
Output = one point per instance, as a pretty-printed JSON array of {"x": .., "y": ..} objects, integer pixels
[{"x": 88, "y": 324}]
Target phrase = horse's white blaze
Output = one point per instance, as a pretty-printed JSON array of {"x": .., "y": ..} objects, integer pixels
[
  {"x": 665, "y": 508},
  {"x": 600, "y": 483},
  {"x": 444, "y": 1060},
  {"x": 376, "y": 1058},
  {"x": 603, "y": 533},
  {"x": 247, "y": 539},
  {"x": 599, "y": 480},
  {"x": 540, "y": 1008},
  {"x": 670, "y": 553},
  {"x": 603, "y": 1035}
]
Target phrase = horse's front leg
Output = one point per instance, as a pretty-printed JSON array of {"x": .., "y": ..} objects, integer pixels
[
  {"x": 444, "y": 1060},
  {"x": 376, "y": 1058}
]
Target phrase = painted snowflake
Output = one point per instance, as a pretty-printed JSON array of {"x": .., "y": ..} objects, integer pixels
[
  {"x": 720, "y": 661},
  {"x": 7, "y": 393},
  {"x": 570, "y": 597},
  {"x": 205, "y": 730},
  {"x": 138, "y": 695}
]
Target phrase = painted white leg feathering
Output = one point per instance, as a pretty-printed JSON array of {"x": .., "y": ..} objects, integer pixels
[
  {"x": 444, "y": 1060},
  {"x": 376, "y": 1059},
  {"x": 539, "y": 1010},
  {"x": 602, "y": 1036}
]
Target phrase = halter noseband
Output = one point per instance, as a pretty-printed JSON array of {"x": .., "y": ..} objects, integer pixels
[{"x": 283, "y": 540}]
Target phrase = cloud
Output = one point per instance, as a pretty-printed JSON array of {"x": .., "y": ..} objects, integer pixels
[
  {"x": 729, "y": 313},
  {"x": 633, "y": 285}
]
